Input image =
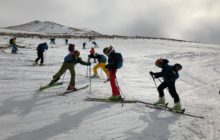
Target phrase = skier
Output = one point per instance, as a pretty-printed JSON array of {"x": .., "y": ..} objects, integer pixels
[
  {"x": 95, "y": 44},
  {"x": 13, "y": 45},
  {"x": 84, "y": 45},
  {"x": 92, "y": 55},
  {"x": 170, "y": 75},
  {"x": 69, "y": 62},
  {"x": 40, "y": 53},
  {"x": 115, "y": 62},
  {"x": 66, "y": 41},
  {"x": 101, "y": 64}
]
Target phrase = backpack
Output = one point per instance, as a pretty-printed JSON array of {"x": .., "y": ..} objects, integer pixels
[
  {"x": 11, "y": 41},
  {"x": 119, "y": 60},
  {"x": 103, "y": 58}
]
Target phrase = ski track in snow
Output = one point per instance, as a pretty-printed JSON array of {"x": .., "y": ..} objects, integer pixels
[{"x": 28, "y": 114}]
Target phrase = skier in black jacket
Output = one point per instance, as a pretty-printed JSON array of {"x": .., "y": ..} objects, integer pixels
[{"x": 170, "y": 75}]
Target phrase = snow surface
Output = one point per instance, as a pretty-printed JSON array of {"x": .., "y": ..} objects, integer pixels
[{"x": 27, "y": 114}]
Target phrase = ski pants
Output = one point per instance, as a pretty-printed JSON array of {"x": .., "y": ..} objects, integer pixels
[
  {"x": 100, "y": 65},
  {"x": 40, "y": 56},
  {"x": 14, "y": 49},
  {"x": 114, "y": 86},
  {"x": 64, "y": 67},
  {"x": 171, "y": 89}
]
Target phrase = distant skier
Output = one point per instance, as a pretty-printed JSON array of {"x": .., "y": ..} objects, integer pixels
[
  {"x": 101, "y": 64},
  {"x": 66, "y": 41},
  {"x": 52, "y": 40},
  {"x": 84, "y": 45},
  {"x": 13, "y": 45},
  {"x": 69, "y": 62},
  {"x": 95, "y": 44},
  {"x": 92, "y": 55},
  {"x": 40, "y": 53},
  {"x": 170, "y": 75},
  {"x": 115, "y": 61}
]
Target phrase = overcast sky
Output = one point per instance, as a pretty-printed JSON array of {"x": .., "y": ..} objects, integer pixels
[{"x": 196, "y": 20}]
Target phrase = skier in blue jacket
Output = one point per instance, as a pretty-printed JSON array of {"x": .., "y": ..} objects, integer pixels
[
  {"x": 40, "y": 53},
  {"x": 170, "y": 75}
]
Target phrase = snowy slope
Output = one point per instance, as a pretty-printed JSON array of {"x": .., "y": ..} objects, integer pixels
[
  {"x": 27, "y": 114},
  {"x": 47, "y": 27}
]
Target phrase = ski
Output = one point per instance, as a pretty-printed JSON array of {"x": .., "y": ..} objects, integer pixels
[
  {"x": 107, "y": 100},
  {"x": 71, "y": 91},
  {"x": 166, "y": 108},
  {"x": 50, "y": 86}
]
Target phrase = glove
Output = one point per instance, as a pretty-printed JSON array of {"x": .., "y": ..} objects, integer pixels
[
  {"x": 107, "y": 66},
  {"x": 151, "y": 73},
  {"x": 89, "y": 64}
]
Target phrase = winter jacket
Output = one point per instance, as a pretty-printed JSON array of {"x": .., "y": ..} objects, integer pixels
[
  {"x": 168, "y": 73},
  {"x": 101, "y": 58},
  {"x": 42, "y": 47},
  {"x": 71, "y": 58}
]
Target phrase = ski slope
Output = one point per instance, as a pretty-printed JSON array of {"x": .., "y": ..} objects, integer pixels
[{"x": 27, "y": 114}]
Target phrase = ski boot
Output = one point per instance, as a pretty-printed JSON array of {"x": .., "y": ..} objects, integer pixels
[
  {"x": 35, "y": 63},
  {"x": 94, "y": 76},
  {"x": 177, "y": 107},
  {"x": 71, "y": 87},
  {"x": 55, "y": 79},
  {"x": 115, "y": 98},
  {"x": 160, "y": 102}
]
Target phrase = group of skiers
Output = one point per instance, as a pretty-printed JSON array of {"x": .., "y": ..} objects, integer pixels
[{"x": 169, "y": 73}]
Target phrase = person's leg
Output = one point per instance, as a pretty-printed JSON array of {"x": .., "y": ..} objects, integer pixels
[
  {"x": 95, "y": 68},
  {"x": 102, "y": 65},
  {"x": 38, "y": 57},
  {"x": 160, "y": 89},
  {"x": 173, "y": 93},
  {"x": 115, "y": 89},
  {"x": 56, "y": 77},
  {"x": 42, "y": 57}
]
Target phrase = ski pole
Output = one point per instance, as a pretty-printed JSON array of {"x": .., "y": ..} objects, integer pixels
[
  {"x": 154, "y": 80},
  {"x": 90, "y": 87}
]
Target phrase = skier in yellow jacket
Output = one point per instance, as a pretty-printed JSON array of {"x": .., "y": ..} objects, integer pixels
[{"x": 101, "y": 64}]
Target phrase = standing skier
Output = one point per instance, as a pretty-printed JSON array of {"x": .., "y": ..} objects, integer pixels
[
  {"x": 40, "y": 53},
  {"x": 13, "y": 45},
  {"x": 101, "y": 64},
  {"x": 170, "y": 75},
  {"x": 115, "y": 61},
  {"x": 69, "y": 62}
]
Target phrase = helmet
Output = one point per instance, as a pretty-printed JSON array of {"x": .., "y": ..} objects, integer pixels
[
  {"x": 178, "y": 67},
  {"x": 159, "y": 62},
  {"x": 77, "y": 53},
  {"x": 106, "y": 50},
  {"x": 71, "y": 47}
]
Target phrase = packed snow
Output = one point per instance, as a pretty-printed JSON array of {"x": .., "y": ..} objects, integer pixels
[{"x": 28, "y": 114}]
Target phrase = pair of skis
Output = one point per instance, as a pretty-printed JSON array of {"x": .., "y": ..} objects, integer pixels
[
  {"x": 63, "y": 93},
  {"x": 150, "y": 105}
]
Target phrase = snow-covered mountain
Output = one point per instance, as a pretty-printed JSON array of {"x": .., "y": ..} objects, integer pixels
[{"x": 51, "y": 28}]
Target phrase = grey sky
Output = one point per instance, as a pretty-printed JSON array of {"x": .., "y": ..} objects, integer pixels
[{"x": 196, "y": 20}]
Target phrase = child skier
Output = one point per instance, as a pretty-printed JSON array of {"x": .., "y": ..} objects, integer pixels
[
  {"x": 170, "y": 75},
  {"x": 40, "y": 53},
  {"x": 69, "y": 62},
  {"x": 92, "y": 54},
  {"x": 13, "y": 44},
  {"x": 101, "y": 64},
  {"x": 115, "y": 61}
]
